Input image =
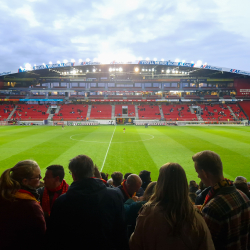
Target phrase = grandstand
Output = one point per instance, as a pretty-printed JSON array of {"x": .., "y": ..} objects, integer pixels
[{"x": 144, "y": 90}]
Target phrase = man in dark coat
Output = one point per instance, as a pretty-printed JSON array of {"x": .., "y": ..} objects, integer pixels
[{"x": 90, "y": 215}]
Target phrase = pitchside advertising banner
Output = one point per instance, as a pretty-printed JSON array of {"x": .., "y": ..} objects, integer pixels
[{"x": 142, "y": 62}]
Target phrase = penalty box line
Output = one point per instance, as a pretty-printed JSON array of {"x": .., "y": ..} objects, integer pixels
[{"x": 108, "y": 150}]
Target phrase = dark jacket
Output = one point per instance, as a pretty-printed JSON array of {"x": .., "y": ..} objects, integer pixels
[
  {"x": 89, "y": 215},
  {"x": 200, "y": 198},
  {"x": 22, "y": 224}
]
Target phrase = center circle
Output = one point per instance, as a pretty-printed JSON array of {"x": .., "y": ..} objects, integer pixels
[{"x": 149, "y": 137}]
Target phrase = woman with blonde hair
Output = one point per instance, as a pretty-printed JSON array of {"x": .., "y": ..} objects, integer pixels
[
  {"x": 22, "y": 223},
  {"x": 169, "y": 220}
]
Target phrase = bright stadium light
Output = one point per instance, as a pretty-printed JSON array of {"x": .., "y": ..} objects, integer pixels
[
  {"x": 110, "y": 69},
  {"x": 136, "y": 69},
  {"x": 58, "y": 62},
  {"x": 162, "y": 59},
  {"x": 80, "y": 60},
  {"x": 35, "y": 65},
  {"x": 173, "y": 71},
  {"x": 65, "y": 61},
  {"x": 94, "y": 70},
  {"x": 50, "y": 62},
  {"x": 168, "y": 71},
  {"x": 199, "y": 63},
  {"x": 120, "y": 69}
]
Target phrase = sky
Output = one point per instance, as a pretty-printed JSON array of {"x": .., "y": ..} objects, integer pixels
[{"x": 216, "y": 32}]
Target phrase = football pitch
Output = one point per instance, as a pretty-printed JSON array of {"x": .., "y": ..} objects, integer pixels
[{"x": 137, "y": 149}]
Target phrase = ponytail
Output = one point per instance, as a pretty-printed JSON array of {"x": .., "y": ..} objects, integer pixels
[
  {"x": 8, "y": 186},
  {"x": 12, "y": 178}
]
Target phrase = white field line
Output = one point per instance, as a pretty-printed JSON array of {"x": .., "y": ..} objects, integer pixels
[{"x": 108, "y": 150}]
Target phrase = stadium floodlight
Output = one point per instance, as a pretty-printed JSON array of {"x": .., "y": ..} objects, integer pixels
[
  {"x": 100, "y": 70},
  {"x": 120, "y": 69},
  {"x": 162, "y": 70},
  {"x": 58, "y": 62},
  {"x": 149, "y": 70},
  {"x": 199, "y": 63},
  {"x": 155, "y": 59},
  {"x": 153, "y": 69},
  {"x": 65, "y": 61},
  {"x": 80, "y": 60},
  {"x": 147, "y": 58},
  {"x": 50, "y": 62},
  {"x": 182, "y": 72},
  {"x": 143, "y": 69},
  {"x": 35, "y": 65},
  {"x": 94, "y": 70},
  {"x": 136, "y": 69},
  {"x": 73, "y": 60},
  {"x": 176, "y": 72},
  {"x": 168, "y": 71},
  {"x": 162, "y": 59},
  {"x": 173, "y": 71},
  {"x": 80, "y": 71},
  {"x": 87, "y": 70},
  {"x": 110, "y": 69},
  {"x": 87, "y": 60}
]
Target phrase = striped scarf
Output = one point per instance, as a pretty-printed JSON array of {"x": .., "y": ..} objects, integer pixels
[
  {"x": 211, "y": 194},
  {"x": 124, "y": 189},
  {"x": 46, "y": 202}
]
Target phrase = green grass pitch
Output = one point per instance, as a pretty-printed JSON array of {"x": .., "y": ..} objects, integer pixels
[{"x": 137, "y": 149}]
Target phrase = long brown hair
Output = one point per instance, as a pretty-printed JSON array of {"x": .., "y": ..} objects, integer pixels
[
  {"x": 11, "y": 178},
  {"x": 149, "y": 191},
  {"x": 171, "y": 194}
]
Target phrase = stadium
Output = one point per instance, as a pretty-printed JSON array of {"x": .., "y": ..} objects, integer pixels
[
  {"x": 179, "y": 102},
  {"x": 75, "y": 125}
]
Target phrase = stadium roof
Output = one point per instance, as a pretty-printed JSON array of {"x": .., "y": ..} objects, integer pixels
[{"x": 132, "y": 70}]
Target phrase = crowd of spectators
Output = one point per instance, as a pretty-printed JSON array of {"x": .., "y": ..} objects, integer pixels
[{"x": 126, "y": 211}]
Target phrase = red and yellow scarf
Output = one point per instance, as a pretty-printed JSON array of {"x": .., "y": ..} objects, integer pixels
[
  {"x": 215, "y": 189},
  {"x": 124, "y": 189},
  {"x": 46, "y": 202},
  {"x": 25, "y": 195}
]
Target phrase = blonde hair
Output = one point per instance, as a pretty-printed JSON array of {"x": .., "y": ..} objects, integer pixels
[
  {"x": 171, "y": 194},
  {"x": 11, "y": 179}
]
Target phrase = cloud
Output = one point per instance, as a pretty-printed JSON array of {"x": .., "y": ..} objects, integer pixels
[{"x": 39, "y": 31}]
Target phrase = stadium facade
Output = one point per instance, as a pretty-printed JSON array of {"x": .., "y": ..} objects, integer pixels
[{"x": 157, "y": 83}]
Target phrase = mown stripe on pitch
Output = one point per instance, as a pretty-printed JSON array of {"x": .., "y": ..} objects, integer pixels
[{"x": 234, "y": 154}]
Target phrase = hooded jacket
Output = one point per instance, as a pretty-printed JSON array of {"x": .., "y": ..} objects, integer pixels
[{"x": 89, "y": 215}]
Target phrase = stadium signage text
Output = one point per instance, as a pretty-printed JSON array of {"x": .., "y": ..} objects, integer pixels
[{"x": 142, "y": 62}]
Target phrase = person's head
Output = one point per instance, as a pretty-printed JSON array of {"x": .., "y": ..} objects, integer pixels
[
  {"x": 171, "y": 194},
  {"x": 104, "y": 176},
  {"x": 133, "y": 183},
  {"x": 145, "y": 176},
  {"x": 192, "y": 184},
  {"x": 126, "y": 176},
  {"x": 192, "y": 197},
  {"x": 110, "y": 181},
  {"x": 117, "y": 178},
  {"x": 53, "y": 176},
  {"x": 81, "y": 167},
  {"x": 25, "y": 173},
  {"x": 209, "y": 167},
  {"x": 149, "y": 191},
  {"x": 240, "y": 179}
]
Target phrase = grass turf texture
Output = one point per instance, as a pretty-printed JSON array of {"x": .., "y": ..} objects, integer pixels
[{"x": 137, "y": 149}]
